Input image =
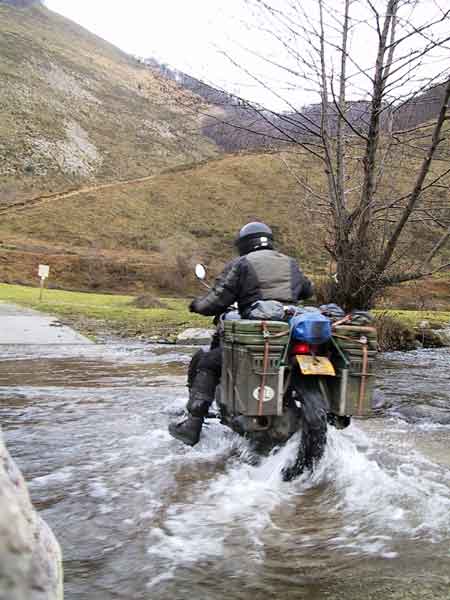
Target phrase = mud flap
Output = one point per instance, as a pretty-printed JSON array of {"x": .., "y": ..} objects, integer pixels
[{"x": 314, "y": 432}]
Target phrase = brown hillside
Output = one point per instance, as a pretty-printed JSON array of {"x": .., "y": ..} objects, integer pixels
[
  {"x": 147, "y": 235},
  {"x": 73, "y": 108},
  {"x": 149, "y": 232},
  {"x": 160, "y": 226},
  {"x": 105, "y": 176}
]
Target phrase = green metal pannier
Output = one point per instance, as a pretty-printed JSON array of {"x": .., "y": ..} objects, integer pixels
[
  {"x": 354, "y": 354},
  {"x": 243, "y": 367},
  {"x": 249, "y": 332}
]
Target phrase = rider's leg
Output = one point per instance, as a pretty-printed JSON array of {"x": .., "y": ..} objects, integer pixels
[{"x": 204, "y": 375}]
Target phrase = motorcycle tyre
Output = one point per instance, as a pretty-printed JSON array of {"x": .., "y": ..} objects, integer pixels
[{"x": 314, "y": 427}]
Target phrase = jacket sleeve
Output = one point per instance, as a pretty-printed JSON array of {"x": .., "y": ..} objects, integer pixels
[
  {"x": 307, "y": 289},
  {"x": 224, "y": 292},
  {"x": 302, "y": 287}
]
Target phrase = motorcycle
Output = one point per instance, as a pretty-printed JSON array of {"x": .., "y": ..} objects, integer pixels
[{"x": 300, "y": 371}]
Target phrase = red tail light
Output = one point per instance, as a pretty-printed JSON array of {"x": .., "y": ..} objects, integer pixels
[{"x": 300, "y": 348}]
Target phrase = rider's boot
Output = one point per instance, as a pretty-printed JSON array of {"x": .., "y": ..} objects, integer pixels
[
  {"x": 201, "y": 396},
  {"x": 188, "y": 431}
]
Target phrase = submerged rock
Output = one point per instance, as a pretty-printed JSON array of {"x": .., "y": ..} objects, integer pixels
[
  {"x": 444, "y": 335},
  {"x": 433, "y": 338},
  {"x": 424, "y": 413},
  {"x": 30, "y": 556},
  {"x": 195, "y": 336}
]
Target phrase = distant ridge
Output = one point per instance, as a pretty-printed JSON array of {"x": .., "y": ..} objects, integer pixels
[{"x": 239, "y": 125}]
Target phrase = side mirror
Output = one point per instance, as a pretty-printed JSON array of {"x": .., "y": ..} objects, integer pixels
[{"x": 200, "y": 272}]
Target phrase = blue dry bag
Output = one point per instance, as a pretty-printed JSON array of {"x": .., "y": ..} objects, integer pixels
[{"x": 310, "y": 327}]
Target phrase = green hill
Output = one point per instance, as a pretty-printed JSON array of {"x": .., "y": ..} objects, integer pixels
[
  {"x": 150, "y": 233},
  {"x": 73, "y": 109},
  {"x": 106, "y": 177}
]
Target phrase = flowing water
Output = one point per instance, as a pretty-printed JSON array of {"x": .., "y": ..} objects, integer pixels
[{"x": 140, "y": 516}]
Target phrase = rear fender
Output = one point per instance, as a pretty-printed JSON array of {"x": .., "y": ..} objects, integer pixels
[{"x": 312, "y": 389}]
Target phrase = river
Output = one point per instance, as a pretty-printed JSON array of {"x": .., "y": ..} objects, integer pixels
[{"x": 139, "y": 516}]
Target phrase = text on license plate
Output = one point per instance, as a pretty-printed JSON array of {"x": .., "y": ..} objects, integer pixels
[{"x": 315, "y": 365}]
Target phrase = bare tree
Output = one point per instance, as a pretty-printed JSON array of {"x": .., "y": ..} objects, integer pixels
[{"x": 384, "y": 197}]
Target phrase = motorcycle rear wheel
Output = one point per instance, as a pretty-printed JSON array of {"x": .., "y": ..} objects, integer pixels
[{"x": 314, "y": 426}]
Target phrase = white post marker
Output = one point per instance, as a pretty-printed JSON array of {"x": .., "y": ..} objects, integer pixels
[{"x": 43, "y": 272}]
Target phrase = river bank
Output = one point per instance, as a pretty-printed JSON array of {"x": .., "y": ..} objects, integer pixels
[{"x": 102, "y": 316}]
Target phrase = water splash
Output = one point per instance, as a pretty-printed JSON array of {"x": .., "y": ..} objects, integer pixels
[
  {"x": 90, "y": 429},
  {"x": 366, "y": 500}
]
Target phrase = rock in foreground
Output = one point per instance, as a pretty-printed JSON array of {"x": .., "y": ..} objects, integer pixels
[
  {"x": 30, "y": 557},
  {"x": 195, "y": 336}
]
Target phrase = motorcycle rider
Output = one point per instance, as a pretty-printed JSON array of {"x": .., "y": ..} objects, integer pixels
[{"x": 259, "y": 273}]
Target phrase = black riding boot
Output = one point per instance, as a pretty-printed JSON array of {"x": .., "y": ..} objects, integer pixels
[
  {"x": 201, "y": 396},
  {"x": 188, "y": 431}
]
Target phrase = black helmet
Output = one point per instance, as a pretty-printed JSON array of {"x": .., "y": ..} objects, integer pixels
[{"x": 254, "y": 236}]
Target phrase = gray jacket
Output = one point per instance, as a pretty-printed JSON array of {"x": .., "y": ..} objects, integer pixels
[{"x": 259, "y": 275}]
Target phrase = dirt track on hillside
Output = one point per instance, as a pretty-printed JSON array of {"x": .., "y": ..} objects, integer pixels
[
  {"x": 44, "y": 198},
  {"x": 69, "y": 193},
  {"x": 47, "y": 198}
]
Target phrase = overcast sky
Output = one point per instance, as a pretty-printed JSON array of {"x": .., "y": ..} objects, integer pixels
[
  {"x": 192, "y": 36},
  {"x": 182, "y": 33}
]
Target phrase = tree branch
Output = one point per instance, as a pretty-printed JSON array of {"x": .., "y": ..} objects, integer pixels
[{"x": 415, "y": 195}]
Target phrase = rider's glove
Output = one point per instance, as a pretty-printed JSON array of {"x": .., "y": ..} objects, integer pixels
[{"x": 193, "y": 306}]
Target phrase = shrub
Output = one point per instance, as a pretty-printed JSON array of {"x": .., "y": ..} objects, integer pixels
[
  {"x": 393, "y": 334},
  {"x": 179, "y": 254},
  {"x": 147, "y": 301},
  {"x": 324, "y": 290}
]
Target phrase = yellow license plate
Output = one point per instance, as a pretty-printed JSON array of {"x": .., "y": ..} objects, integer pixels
[{"x": 315, "y": 365}]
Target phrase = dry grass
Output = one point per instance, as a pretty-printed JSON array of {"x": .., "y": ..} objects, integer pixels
[
  {"x": 145, "y": 236},
  {"x": 148, "y": 301},
  {"x": 394, "y": 334},
  {"x": 54, "y": 72},
  {"x": 432, "y": 294},
  {"x": 401, "y": 329},
  {"x": 175, "y": 219},
  {"x": 149, "y": 235}
]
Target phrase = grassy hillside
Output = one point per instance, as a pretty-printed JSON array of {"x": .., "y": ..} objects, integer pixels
[
  {"x": 139, "y": 195},
  {"x": 74, "y": 108},
  {"x": 150, "y": 233}
]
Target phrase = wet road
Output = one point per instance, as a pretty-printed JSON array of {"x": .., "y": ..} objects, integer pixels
[
  {"x": 140, "y": 516},
  {"x": 26, "y": 326}
]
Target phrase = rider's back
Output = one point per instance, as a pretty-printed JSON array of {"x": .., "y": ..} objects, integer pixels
[
  {"x": 264, "y": 274},
  {"x": 272, "y": 275}
]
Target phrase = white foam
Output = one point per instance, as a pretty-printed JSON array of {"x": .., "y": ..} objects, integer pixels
[
  {"x": 235, "y": 502},
  {"x": 56, "y": 478},
  {"x": 371, "y": 504},
  {"x": 404, "y": 497}
]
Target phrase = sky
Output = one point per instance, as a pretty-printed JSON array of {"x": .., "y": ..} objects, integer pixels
[
  {"x": 181, "y": 33},
  {"x": 227, "y": 43}
]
